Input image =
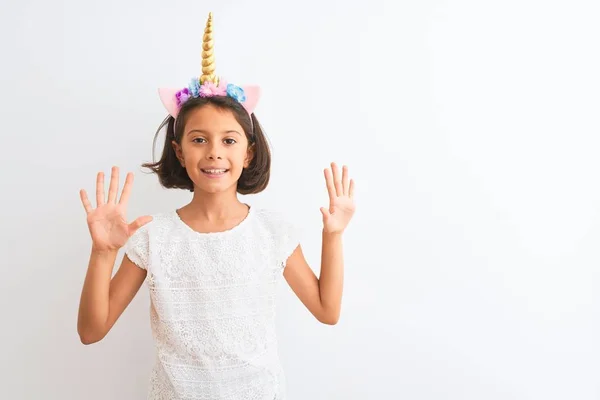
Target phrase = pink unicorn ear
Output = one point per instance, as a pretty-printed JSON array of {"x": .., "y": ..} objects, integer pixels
[
  {"x": 167, "y": 97},
  {"x": 252, "y": 96}
]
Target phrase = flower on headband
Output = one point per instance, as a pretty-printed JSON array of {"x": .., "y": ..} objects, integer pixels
[
  {"x": 209, "y": 89},
  {"x": 182, "y": 96},
  {"x": 194, "y": 87},
  {"x": 236, "y": 92}
]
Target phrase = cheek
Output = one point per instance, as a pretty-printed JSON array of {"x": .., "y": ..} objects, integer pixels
[
  {"x": 190, "y": 153},
  {"x": 240, "y": 156}
]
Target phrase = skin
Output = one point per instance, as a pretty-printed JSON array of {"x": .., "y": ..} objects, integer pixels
[{"x": 212, "y": 139}]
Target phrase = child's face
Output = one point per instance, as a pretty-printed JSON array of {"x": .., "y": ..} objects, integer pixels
[{"x": 214, "y": 149}]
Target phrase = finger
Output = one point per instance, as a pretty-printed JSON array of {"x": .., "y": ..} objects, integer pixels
[
  {"x": 86, "y": 202},
  {"x": 351, "y": 189},
  {"x": 345, "y": 184},
  {"x": 100, "y": 189},
  {"x": 337, "y": 180},
  {"x": 330, "y": 186},
  {"x": 138, "y": 223},
  {"x": 126, "y": 189},
  {"x": 114, "y": 185}
]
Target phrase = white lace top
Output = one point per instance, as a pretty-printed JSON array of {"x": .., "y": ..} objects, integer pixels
[{"x": 213, "y": 306}]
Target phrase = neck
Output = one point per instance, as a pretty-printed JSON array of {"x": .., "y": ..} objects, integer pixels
[{"x": 215, "y": 206}]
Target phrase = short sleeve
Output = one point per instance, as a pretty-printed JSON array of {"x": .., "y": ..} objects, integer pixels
[
  {"x": 287, "y": 239},
  {"x": 290, "y": 240},
  {"x": 137, "y": 247},
  {"x": 278, "y": 236}
]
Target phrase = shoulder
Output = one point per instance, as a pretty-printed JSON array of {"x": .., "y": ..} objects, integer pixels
[
  {"x": 160, "y": 223},
  {"x": 278, "y": 233},
  {"x": 139, "y": 245},
  {"x": 272, "y": 220},
  {"x": 275, "y": 223}
]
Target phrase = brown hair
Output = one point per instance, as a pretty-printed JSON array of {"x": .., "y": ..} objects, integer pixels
[{"x": 171, "y": 174}]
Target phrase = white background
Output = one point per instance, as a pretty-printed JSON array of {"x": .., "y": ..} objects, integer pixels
[{"x": 470, "y": 127}]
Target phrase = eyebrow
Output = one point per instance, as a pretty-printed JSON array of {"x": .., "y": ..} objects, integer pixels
[{"x": 206, "y": 132}]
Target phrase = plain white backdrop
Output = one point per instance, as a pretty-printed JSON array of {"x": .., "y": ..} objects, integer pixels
[{"x": 471, "y": 129}]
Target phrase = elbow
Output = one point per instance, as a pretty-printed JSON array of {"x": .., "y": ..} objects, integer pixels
[
  {"x": 329, "y": 319},
  {"x": 87, "y": 337},
  {"x": 87, "y": 340}
]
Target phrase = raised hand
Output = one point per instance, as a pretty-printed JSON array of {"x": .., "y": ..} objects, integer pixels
[
  {"x": 341, "y": 200},
  {"x": 107, "y": 222}
]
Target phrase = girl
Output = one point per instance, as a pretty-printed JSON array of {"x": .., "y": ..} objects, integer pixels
[{"x": 212, "y": 265}]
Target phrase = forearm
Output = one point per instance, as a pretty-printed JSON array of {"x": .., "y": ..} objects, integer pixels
[
  {"x": 332, "y": 276},
  {"x": 94, "y": 303}
]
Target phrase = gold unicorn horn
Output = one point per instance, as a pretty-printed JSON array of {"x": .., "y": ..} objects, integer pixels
[{"x": 208, "y": 54}]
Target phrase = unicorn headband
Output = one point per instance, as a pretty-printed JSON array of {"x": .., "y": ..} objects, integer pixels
[{"x": 208, "y": 85}]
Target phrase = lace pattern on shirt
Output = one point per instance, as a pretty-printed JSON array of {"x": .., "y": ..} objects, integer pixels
[{"x": 213, "y": 306}]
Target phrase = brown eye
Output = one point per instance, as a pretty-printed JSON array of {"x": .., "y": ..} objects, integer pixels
[{"x": 230, "y": 141}]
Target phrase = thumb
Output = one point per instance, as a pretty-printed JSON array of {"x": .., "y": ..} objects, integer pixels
[
  {"x": 325, "y": 213},
  {"x": 138, "y": 223}
]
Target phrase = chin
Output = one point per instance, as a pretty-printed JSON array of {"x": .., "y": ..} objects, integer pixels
[{"x": 214, "y": 187}]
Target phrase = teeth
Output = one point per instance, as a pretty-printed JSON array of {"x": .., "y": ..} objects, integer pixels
[{"x": 215, "y": 171}]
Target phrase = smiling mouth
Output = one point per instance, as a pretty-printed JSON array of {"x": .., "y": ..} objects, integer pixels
[{"x": 215, "y": 172}]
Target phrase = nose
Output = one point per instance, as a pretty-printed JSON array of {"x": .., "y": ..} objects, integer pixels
[{"x": 214, "y": 152}]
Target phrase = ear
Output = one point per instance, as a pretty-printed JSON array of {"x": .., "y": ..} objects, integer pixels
[
  {"x": 167, "y": 97},
  {"x": 249, "y": 155},
  {"x": 252, "y": 93},
  {"x": 178, "y": 152}
]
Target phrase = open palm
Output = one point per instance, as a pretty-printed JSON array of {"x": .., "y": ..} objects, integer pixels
[
  {"x": 341, "y": 199},
  {"x": 108, "y": 222}
]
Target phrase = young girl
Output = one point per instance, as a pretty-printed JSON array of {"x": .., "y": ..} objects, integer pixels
[{"x": 211, "y": 266}]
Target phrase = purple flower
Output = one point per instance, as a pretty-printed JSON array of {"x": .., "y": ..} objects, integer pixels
[{"x": 182, "y": 96}]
